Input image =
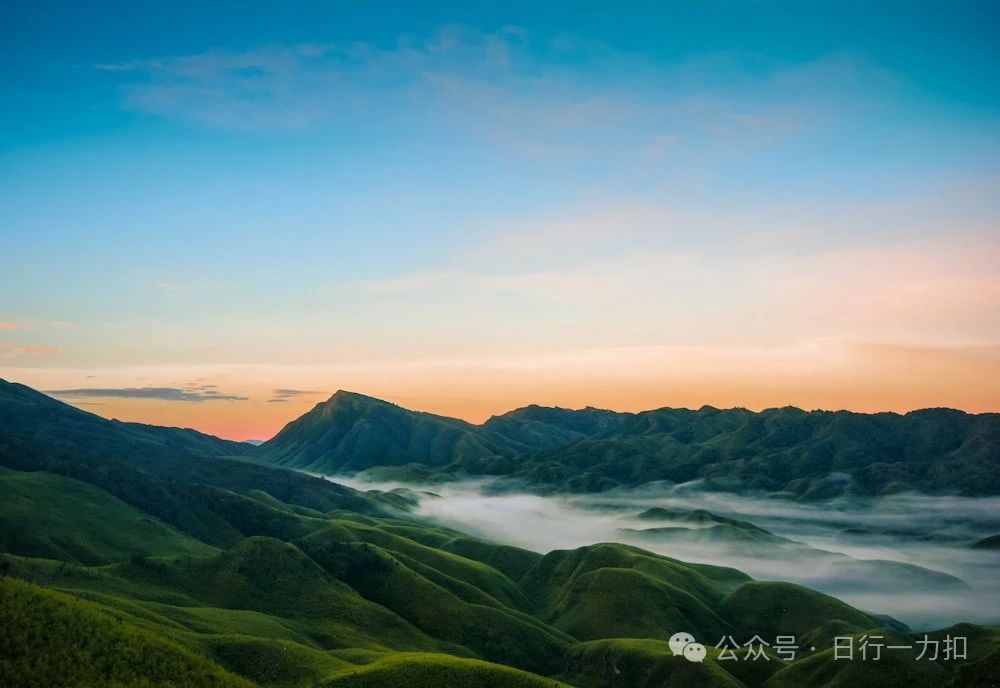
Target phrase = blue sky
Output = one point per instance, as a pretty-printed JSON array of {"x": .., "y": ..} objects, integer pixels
[{"x": 467, "y": 206}]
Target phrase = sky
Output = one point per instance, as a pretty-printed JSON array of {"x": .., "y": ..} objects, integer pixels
[{"x": 214, "y": 215}]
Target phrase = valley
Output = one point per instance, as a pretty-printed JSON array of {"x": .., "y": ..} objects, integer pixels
[{"x": 155, "y": 556}]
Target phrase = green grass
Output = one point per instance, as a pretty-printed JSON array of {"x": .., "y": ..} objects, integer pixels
[
  {"x": 482, "y": 576},
  {"x": 436, "y": 671},
  {"x": 611, "y": 590},
  {"x": 276, "y": 578},
  {"x": 777, "y": 450},
  {"x": 50, "y": 639},
  {"x": 167, "y": 569},
  {"x": 497, "y": 634},
  {"x": 278, "y": 663},
  {"x": 770, "y": 609},
  {"x": 894, "y": 669},
  {"x": 642, "y": 664},
  {"x": 85, "y": 524}
]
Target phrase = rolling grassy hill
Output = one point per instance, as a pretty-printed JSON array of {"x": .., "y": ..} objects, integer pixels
[
  {"x": 85, "y": 525},
  {"x": 51, "y": 639},
  {"x": 810, "y": 455},
  {"x": 365, "y": 600},
  {"x": 133, "y": 569}
]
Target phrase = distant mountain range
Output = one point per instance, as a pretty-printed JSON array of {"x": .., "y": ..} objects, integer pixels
[
  {"x": 808, "y": 454},
  {"x": 134, "y": 555}
]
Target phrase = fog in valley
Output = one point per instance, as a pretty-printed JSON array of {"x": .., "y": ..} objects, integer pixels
[{"x": 908, "y": 556}]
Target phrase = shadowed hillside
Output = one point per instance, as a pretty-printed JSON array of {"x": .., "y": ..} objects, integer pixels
[
  {"x": 811, "y": 455},
  {"x": 36, "y": 416},
  {"x": 157, "y": 569}
]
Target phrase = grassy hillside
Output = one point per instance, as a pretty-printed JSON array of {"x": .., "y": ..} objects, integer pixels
[
  {"x": 147, "y": 569},
  {"x": 351, "y": 432},
  {"x": 431, "y": 671},
  {"x": 85, "y": 524},
  {"x": 770, "y": 609},
  {"x": 371, "y": 600},
  {"x": 48, "y": 639},
  {"x": 811, "y": 455},
  {"x": 895, "y": 669},
  {"x": 642, "y": 664},
  {"x": 612, "y": 591},
  {"x": 543, "y": 427},
  {"x": 35, "y": 416}
]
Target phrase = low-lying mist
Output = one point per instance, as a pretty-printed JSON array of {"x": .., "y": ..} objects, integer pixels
[{"x": 908, "y": 556}]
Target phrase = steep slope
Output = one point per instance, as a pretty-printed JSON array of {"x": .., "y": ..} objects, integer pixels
[
  {"x": 272, "y": 577},
  {"x": 85, "y": 524},
  {"x": 640, "y": 663},
  {"x": 440, "y": 604},
  {"x": 544, "y": 427},
  {"x": 31, "y": 415},
  {"x": 341, "y": 598},
  {"x": 432, "y": 671},
  {"x": 352, "y": 432},
  {"x": 215, "y": 500},
  {"x": 771, "y": 609},
  {"x": 612, "y": 591},
  {"x": 49, "y": 639},
  {"x": 812, "y": 455},
  {"x": 895, "y": 669},
  {"x": 315, "y": 584}
]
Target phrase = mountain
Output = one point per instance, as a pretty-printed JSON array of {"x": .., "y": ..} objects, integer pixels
[
  {"x": 543, "y": 427},
  {"x": 36, "y": 416},
  {"x": 175, "y": 475},
  {"x": 352, "y": 432},
  {"x": 149, "y": 568},
  {"x": 807, "y": 454}
]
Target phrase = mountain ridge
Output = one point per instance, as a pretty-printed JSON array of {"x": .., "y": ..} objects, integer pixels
[
  {"x": 37, "y": 415},
  {"x": 811, "y": 454},
  {"x": 221, "y": 572}
]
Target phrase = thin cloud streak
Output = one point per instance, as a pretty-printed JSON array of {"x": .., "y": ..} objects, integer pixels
[
  {"x": 161, "y": 393},
  {"x": 15, "y": 350},
  {"x": 281, "y": 396}
]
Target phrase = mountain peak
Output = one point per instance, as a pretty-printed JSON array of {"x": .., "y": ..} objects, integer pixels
[
  {"x": 352, "y": 431},
  {"x": 343, "y": 399}
]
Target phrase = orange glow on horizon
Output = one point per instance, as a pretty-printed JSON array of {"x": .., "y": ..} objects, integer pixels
[{"x": 824, "y": 375}]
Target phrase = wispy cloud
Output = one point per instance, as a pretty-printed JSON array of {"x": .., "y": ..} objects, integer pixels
[
  {"x": 280, "y": 396},
  {"x": 15, "y": 350},
  {"x": 520, "y": 93},
  {"x": 295, "y": 85},
  {"x": 694, "y": 268},
  {"x": 162, "y": 393}
]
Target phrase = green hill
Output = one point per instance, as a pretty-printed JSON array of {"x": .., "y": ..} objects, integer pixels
[
  {"x": 31, "y": 415},
  {"x": 48, "y": 639},
  {"x": 144, "y": 568},
  {"x": 84, "y": 525},
  {"x": 543, "y": 427},
  {"x": 894, "y": 669},
  {"x": 642, "y": 664},
  {"x": 615, "y": 591},
  {"x": 352, "y": 432},
  {"x": 811, "y": 455},
  {"x": 433, "y": 671},
  {"x": 771, "y": 609}
]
